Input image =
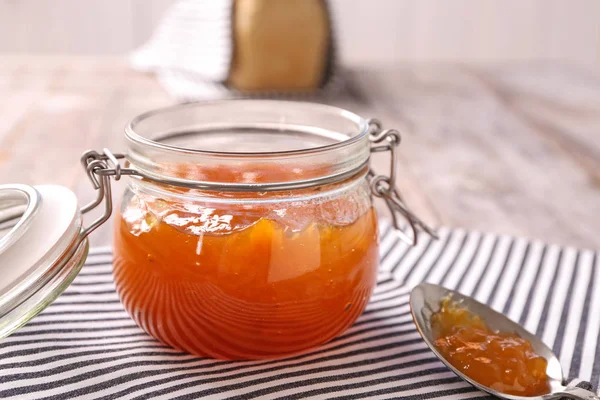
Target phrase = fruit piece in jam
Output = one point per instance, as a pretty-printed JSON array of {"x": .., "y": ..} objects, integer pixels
[{"x": 501, "y": 361}]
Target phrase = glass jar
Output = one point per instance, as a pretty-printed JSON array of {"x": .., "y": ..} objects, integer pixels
[{"x": 242, "y": 272}]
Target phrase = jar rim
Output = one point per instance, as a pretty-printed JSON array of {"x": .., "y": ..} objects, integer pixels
[
  {"x": 154, "y": 139},
  {"x": 134, "y": 137}
]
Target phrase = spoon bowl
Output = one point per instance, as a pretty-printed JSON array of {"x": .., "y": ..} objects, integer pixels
[{"x": 426, "y": 299}]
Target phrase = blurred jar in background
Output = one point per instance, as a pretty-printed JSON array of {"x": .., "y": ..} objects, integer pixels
[{"x": 280, "y": 45}]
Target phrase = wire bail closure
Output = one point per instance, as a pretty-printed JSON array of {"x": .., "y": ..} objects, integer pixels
[
  {"x": 100, "y": 167},
  {"x": 384, "y": 187}
]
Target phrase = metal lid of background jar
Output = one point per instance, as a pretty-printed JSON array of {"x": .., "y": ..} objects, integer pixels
[{"x": 41, "y": 249}]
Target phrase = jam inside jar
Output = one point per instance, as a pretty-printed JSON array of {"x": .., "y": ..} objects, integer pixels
[{"x": 261, "y": 242}]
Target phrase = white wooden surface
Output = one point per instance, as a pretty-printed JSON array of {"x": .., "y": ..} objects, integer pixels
[
  {"x": 512, "y": 149},
  {"x": 372, "y": 31}
]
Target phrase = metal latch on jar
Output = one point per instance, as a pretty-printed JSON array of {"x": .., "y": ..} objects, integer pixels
[
  {"x": 384, "y": 187},
  {"x": 100, "y": 167}
]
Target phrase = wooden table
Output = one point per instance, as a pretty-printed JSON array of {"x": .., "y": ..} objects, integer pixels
[{"x": 513, "y": 149}]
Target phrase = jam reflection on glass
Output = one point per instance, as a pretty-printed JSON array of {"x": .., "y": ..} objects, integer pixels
[
  {"x": 243, "y": 280},
  {"x": 501, "y": 361}
]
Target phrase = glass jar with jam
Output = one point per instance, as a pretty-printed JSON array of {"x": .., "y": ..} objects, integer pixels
[{"x": 247, "y": 229}]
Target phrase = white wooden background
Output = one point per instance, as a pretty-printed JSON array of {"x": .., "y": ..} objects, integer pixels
[{"x": 376, "y": 31}]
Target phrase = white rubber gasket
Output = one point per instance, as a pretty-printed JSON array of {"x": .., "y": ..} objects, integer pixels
[{"x": 19, "y": 202}]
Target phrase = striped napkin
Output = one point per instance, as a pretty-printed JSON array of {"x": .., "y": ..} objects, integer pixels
[{"x": 85, "y": 345}]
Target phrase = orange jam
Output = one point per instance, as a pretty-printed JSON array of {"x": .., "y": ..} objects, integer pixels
[
  {"x": 501, "y": 361},
  {"x": 244, "y": 280}
]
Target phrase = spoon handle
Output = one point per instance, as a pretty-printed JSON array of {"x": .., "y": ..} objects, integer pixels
[{"x": 574, "y": 392}]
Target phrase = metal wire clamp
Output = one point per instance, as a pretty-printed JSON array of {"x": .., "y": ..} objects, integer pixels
[
  {"x": 384, "y": 187},
  {"x": 100, "y": 167}
]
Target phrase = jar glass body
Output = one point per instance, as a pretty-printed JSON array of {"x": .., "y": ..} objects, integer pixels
[{"x": 248, "y": 274}]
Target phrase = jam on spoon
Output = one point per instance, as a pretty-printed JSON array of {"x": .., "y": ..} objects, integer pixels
[{"x": 502, "y": 361}]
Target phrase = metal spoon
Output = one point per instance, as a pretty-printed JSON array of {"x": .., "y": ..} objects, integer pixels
[{"x": 425, "y": 299}]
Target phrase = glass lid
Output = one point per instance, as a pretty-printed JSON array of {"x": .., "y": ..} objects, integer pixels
[{"x": 41, "y": 250}]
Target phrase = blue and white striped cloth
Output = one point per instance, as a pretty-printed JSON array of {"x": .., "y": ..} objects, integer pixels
[{"x": 86, "y": 346}]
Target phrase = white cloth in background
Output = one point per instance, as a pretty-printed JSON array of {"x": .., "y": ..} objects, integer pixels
[{"x": 195, "y": 36}]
